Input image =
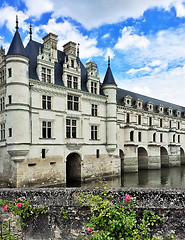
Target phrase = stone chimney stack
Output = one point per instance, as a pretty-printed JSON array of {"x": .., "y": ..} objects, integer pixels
[{"x": 50, "y": 42}]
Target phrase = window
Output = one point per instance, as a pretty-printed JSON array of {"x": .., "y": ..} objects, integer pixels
[
  {"x": 139, "y": 136},
  {"x": 46, "y": 129},
  {"x": 72, "y": 82},
  {"x": 46, "y": 75},
  {"x": 75, "y": 82},
  {"x": 2, "y": 76},
  {"x": 161, "y": 137},
  {"x": 178, "y": 138},
  {"x": 2, "y": 104},
  {"x": 170, "y": 124},
  {"x": 174, "y": 138},
  {"x": 72, "y": 103},
  {"x": 94, "y": 132},
  {"x": 154, "y": 137},
  {"x": 150, "y": 121},
  {"x": 2, "y": 131},
  {"x": 69, "y": 81},
  {"x": 10, "y": 132},
  {"x": 9, "y": 72},
  {"x": 72, "y": 63},
  {"x": 10, "y": 99},
  {"x": 94, "y": 87},
  {"x": 97, "y": 153},
  {"x": 46, "y": 102},
  {"x": 178, "y": 125},
  {"x": 128, "y": 118},
  {"x": 139, "y": 119},
  {"x": 71, "y": 128},
  {"x": 161, "y": 122},
  {"x": 132, "y": 136},
  {"x": 43, "y": 153},
  {"x": 94, "y": 110}
]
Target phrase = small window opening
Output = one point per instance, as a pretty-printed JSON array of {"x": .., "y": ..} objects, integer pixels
[
  {"x": 10, "y": 99},
  {"x": 97, "y": 153},
  {"x": 9, "y": 72},
  {"x": 10, "y": 132},
  {"x": 43, "y": 153}
]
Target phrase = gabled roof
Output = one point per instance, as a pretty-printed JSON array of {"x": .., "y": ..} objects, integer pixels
[
  {"x": 16, "y": 46},
  {"x": 109, "y": 79}
]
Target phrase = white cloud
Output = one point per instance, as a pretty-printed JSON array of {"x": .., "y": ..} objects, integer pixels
[
  {"x": 68, "y": 32},
  {"x": 37, "y": 7},
  {"x": 107, "y": 35},
  {"x": 8, "y": 18},
  {"x": 4, "y": 44},
  {"x": 96, "y": 13},
  {"x": 134, "y": 71},
  {"x": 109, "y": 53},
  {"x": 131, "y": 40},
  {"x": 168, "y": 86}
]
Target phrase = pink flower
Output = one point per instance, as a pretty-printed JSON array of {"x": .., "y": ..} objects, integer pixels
[
  {"x": 127, "y": 198},
  {"x": 6, "y": 207},
  {"x": 18, "y": 204},
  {"x": 89, "y": 229}
]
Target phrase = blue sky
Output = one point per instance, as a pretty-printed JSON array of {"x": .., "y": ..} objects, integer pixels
[{"x": 145, "y": 39}]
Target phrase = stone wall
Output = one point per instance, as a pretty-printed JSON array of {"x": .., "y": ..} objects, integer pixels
[{"x": 168, "y": 203}]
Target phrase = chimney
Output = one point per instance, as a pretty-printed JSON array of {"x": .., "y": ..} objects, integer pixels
[{"x": 50, "y": 42}]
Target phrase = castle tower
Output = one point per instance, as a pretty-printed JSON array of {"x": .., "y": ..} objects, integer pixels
[
  {"x": 17, "y": 104},
  {"x": 109, "y": 88}
]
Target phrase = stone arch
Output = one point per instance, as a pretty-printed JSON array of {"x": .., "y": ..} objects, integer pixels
[
  {"x": 142, "y": 158},
  {"x": 73, "y": 169},
  {"x": 121, "y": 155},
  {"x": 182, "y": 156},
  {"x": 164, "y": 157}
]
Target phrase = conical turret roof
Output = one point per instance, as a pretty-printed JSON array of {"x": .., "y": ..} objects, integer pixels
[
  {"x": 109, "y": 79},
  {"x": 16, "y": 46}
]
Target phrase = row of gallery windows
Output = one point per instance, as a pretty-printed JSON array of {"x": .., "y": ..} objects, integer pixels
[
  {"x": 174, "y": 137},
  {"x": 150, "y": 121}
]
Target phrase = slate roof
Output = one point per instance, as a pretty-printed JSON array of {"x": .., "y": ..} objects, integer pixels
[
  {"x": 121, "y": 94},
  {"x": 109, "y": 79},
  {"x": 16, "y": 46},
  {"x": 32, "y": 51}
]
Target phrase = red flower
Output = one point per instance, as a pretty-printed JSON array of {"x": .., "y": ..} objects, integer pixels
[
  {"x": 6, "y": 207},
  {"x": 127, "y": 198},
  {"x": 89, "y": 229},
  {"x": 18, "y": 204}
]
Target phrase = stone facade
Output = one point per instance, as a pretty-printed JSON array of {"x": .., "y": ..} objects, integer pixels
[{"x": 58, "y": 121}]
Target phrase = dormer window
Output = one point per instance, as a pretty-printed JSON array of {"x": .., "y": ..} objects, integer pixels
[
  {"x": 94, "y": 87},
  {"x": 72, "y": 63},
  {"x": 161, "y": 108},
  {"x": 178, "y": 113},
  {"x": 72, "y": 82},
  {"x": 170, "y": 111},
  {"x": 139, "y": 103},
  {"x": 128, "y": 101},
  {"x": 46, "y": 75},
  {"x": 150, "y": 106}
]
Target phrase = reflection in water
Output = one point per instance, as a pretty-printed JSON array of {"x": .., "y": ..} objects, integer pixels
[{"x": 162, "y": 178}]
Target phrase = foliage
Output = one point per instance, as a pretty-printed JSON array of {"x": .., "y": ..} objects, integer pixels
[
  {"x": 23, "y": 209},
  {"x": 63, "y": 213},
  {"x": 113, "y": 221},
  {"x": 6, "y": 234}
]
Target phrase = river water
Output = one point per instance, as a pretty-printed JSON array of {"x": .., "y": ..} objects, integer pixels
[{"x": 173, "y": 177}]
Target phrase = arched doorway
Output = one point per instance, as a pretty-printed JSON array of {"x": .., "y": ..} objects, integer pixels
[
  {"x": 182, "y": 156},
  {"x": 121, "y": 155},
  {"x": 164, "y": 157},
  {"x": 73, "y": 169},
  {"x": 142, "y": 158}
]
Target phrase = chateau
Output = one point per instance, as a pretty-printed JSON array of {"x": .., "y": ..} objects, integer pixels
[{"x": 60, "y": 122}]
